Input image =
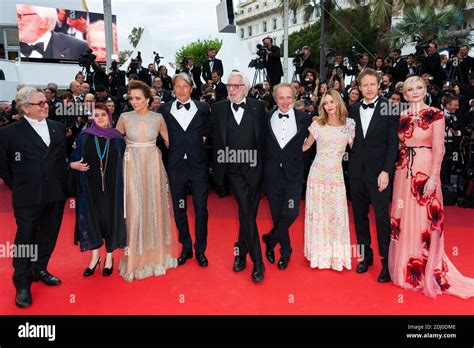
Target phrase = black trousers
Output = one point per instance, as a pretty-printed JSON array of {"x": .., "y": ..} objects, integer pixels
[
  {"x": 247, "y": 191},
  {"x": 179, "y": 177},
  {"x": 37, "y": 231},
  {"x": 363, "y": 192},
  {"x": 284, "y": 199}
]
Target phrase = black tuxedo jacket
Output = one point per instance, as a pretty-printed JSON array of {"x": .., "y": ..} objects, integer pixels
[
  {"x": 220, "y": 91},
  {"x": 165, "y": 96},
  {"x": 273, "y": 64},
  {"x": 378, "y": 150},
  {"x": 206, "y": 69},
  {"x": 62, "y": 46},
  {"x": 189, "y": 141},
  {"x": 37, "y": 173},
  {"x": 290, "y": 158},
  {"x": 399, "y": 71},
  {"x": 220, "y": 112}
]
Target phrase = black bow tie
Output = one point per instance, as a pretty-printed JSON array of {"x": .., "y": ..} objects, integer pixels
[
  {"x": 180, "y": 105},
  {"x": 370, "y": 105},
  {"x": 27, "y": 49},
  {"x": 283, "y": 115},
  {"x": 211, "y": 59},
  {"x": 237, "y": 106}
]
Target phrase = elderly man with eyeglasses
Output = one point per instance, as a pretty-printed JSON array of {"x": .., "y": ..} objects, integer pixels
[{"x": 33, "y": 163}]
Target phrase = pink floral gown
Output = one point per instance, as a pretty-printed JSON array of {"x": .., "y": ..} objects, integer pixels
[
  {"x": 326, "y": 230},
  {"x": 416, "y": 257}
]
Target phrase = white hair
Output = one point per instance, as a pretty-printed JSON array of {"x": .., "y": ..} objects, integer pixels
[
  {"x": 243, "y": 77},
  {"x": 23, "y": 95},
  {"x": 47, "y": 13}
]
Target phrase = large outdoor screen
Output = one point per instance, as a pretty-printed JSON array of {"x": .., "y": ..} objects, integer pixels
[{"x": 48, "y": 33}]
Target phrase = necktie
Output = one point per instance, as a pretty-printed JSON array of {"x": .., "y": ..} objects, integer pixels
[
  {"x": 28, "y": 49},
  {"x": 237, "y": 106},
  {"x": 283, "y": 115},
  {"x": 180, "y": 105}
]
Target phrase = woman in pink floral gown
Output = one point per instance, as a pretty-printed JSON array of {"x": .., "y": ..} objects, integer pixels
[
  {"x": 326, "y": 224},
  {"x": 417, "y": 260}
]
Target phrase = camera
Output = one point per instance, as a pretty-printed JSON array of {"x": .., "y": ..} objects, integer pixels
[
  {"x": 355, "y": 56},
  {"x": 258, "y": 63},
  {"x": 86, "y": 59},
  {"x": 157, "y": 58},
  {"x": 134, "y": 62}
]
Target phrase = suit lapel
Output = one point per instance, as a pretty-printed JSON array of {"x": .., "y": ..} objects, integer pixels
[
  {"x": 252, "y": 109},
  {"x": 269, "y": 122},
  {"x": 59, "y": 48},
  {"x": 374, "y": 118},
  {"x": 35, "y": 138},
  {"x": 359, "y": 131},
  {"x": 53, "y": 137},
  {"x": 223, "y": 116}
]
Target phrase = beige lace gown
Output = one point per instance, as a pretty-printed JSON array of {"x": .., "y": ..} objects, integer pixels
[{"x": 151, "y": 242}]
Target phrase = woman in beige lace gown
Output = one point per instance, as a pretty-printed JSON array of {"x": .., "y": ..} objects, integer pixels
[{"x": 152, "y": 246}]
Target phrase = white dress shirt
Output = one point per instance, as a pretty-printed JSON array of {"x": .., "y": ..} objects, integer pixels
[
  {"x": 284, "y": 128},
  {"x": 239, "y": 113},
  {"x": 40, "y": 127},
  {"x": 366, "y": 115},
  {"x": 183, "y": 116},
  {"x": 45, "y": 40}
]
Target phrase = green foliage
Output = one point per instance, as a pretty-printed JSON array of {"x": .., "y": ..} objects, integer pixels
[
  {"x": 198, "y": 49},
  {"x": 135, "y": 36},
  {"x": 355, "y": 20}
]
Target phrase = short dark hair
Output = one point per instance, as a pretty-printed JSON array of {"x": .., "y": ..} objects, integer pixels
[
  {"x": 142, "y": 86},
  {"x": 267, "y": 38},
  {"x": 449, "y": 98},
  {"x": 397, "y": 50},
  {"x": 133, "y": 76},
  {"x": 211, "y": 49},
  {"x": 100, "y": 88},
  {"x": 218, "y": 72}
]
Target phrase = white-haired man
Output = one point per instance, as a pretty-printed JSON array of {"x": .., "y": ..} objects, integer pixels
[
  {"x": 33, "y": 163},
  {"x": 38, "y": 39},
  {"x": 238, "y": 147}
]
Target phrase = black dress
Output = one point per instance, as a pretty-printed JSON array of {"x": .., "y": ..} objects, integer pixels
[{"x": 99, "y": 211}]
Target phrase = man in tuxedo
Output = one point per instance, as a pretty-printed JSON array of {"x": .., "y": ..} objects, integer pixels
[
  {"x": 194, "y": 73},
  {"x": 432, "y": 63},
  {"x": 188, "y": 123},
  {"x": 399, "y": 67},
  {"x": 137, "y": 69},
  {"x": 211, "y": 64},
  {"x": 238, "y": 147},
  {"x": 76, "y": 91},
  {"x": 285, "y": 132},
  {"x": 371, "y": 168},
  {"x": 220, "y": 90},
  {"x": 164, "y": 95},
  {"x": 38, "y": 39},
  {"x": 272, "y": 62},
  {"x": 33, "y": 163},
  {"x": 466, "y": 65}
]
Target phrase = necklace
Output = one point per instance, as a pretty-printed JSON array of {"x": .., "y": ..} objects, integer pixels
[{"x": 105, "y": 153}]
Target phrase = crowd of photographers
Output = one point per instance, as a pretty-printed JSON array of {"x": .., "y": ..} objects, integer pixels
[{"x": 450, "y": 87}]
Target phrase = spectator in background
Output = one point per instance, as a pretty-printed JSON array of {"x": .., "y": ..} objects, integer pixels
[{"x": 163, "y": 74}]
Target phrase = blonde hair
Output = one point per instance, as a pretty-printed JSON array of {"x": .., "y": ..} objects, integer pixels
[
  {"x": 341, "y": 110},
  {"x": 409, "y": 82}
]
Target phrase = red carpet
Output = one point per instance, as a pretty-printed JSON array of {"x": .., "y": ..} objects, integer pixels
[{"x": 190, "y": 289}]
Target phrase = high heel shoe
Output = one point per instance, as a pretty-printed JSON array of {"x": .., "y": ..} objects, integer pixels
[
  {"x": 90, "y": 271},
  {"x": 108, "y": 271}
]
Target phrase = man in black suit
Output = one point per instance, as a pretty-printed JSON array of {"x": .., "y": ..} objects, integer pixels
[
  {"x": 432, "y": 63},
  {"x": 164, "y": 95},
  {"x": 194, "y": 73},
  {"x": 371, "y": 168},
  {"x": 38, "y": 39},
  {"x": 220, "y": 90},
  {"x": 466, "y": 65},
  {"x": 211, "y": 64},
  {"x": 137, "y": 69},
  {"x": 285, "y": 132},
  {"x": 238, "y": 147},
  {"x": 33, "y": 163},
  {"x": 272, "y": 62},
  {"x": 399, "y": 70},
  {"x": 188, "y": 123}
]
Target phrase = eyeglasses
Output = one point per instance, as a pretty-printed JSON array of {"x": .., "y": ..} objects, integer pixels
[
  {"x": 234, "y": 86},
  {"x": 41, "y": 104},
  {"x": 19, "y": 16}
]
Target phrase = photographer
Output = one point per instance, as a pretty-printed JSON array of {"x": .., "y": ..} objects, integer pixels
[
  {"x": 116, "y": 78},
  {"x": 433, "y": 92},
  {"x": 152, "y": 73},
  {"x": 194, "y": 72},
  {"x": 432, "y": 63},
  {"x": 135, "y": 68},
  {"x": 465, "y": 63},
  {"x": 306, "y": 60},
  {"x": 399, "y": 66},
  {"x": 272, "y": 62}
]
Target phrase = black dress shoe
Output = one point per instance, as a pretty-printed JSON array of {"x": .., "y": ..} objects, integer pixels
[
  {"x": 363, "y": 266},
  {"x": 258, "y": 273},
  {"x": 23, "y": 298},
  {"x": 240, "y": 263},
  {"x": 184, "y": 256},
  {"x": 283, "y": 262},
  {"x": 201, "y": 259},
  {"x": 384, "y": 276},
  {"x": 90, "y": 271},
  {"x": 269, "y": 253},
  {"x": 108, "y": 271},
  {"x": 46, "y": 278}
]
